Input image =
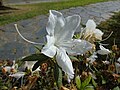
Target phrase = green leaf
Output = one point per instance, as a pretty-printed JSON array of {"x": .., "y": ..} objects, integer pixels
[
  {"x": 89, "y": 88},
  {"x": 78, "y": 82},
  {"x": 34, "y": 57},
  {"x": 58, "y": 75},
  {"x": 38, "y": 48},
  {"x": 86, "y": 82},
  {"x": 94, "y": 83},
  {"x": 118, "y": 80},
  {"x": 4, "y": 88},
  {"x": 103, "y": 81},
  {"x": 116, "y": 88},
  {"x": 73, "y": 58},
  {"x": 36, "y": 65},
  {"x": 40, "y": 58},
  {"x": 77, "y": 35}
]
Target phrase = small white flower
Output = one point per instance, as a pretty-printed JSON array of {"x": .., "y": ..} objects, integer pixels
[
  {"x": 93, "y": 57},
  {"x": 17, "y": 75},
  {"x": 15, "y": 65},
  {"x": 29, "y": 65},
  {"x": 106, "y": 62},
  {"x": 117, "y": 65},
  {"x": 8, "y": 69},
  {"x": 103, "y": 51},
  {"x": 91, "y": 30}
]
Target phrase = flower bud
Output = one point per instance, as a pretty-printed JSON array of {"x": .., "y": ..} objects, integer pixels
[
  {"x": 114, "y": 48},
  {"x": 4, "y": 70}
]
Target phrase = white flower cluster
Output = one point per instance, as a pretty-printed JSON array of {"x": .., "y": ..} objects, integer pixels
[
  {"x": 60, "y": 42},
  {"x": 14, "y": 72}
]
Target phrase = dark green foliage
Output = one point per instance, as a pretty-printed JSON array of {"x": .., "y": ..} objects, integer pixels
[
  {"x": 35, "y": 57},
  {"x": 112, "y": 24},
  {"x": 58, "y": 75},
  {"x": 40, "y": 58},
  {"x": 86, "y": 82}
]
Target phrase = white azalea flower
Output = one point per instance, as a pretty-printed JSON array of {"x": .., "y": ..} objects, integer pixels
[
  {"x": 91, "y": 30},
  {"x": 17, "y": 75},
  {"x": 103, "y": 51},
  {"x": 59, "y": 40},
  {"x": 93, "y": 57}
]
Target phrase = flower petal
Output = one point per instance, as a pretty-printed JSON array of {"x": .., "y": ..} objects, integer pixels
[
  {"x": 77, "y": 46},
  {"x": 118, "y": 60},
  {"x": 91, "y": 24},
  {"x": 64, "y": 62},
  {"x": 93, "y": 57},
  {"x": 117, "y": 65},
  {"x": 103, "y": 50},
  {"x": 55, "y": 22},
  {"x": 8, "y": 69},
  {"x": 71, "y": 24},
  {"x": 17, "y": 75},
  {"x": 29, "y": 64},
  {"x": 90, "y": 28},
  {"x": 98, "y": 34},
  {"x": 50, "y": 40},
  {"x": 49, "y": 49}
]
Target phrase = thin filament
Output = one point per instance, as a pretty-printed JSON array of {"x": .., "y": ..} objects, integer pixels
[{"x": 25, "y": 38}]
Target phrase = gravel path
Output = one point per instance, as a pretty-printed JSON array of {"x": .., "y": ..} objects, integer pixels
[{"x": 12, "y": 46}]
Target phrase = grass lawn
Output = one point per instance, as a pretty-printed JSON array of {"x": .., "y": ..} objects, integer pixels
[{"x": 20, "y": 12}]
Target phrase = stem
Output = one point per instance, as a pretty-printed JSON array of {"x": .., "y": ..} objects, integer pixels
[{"x": 107, "y": 37}]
